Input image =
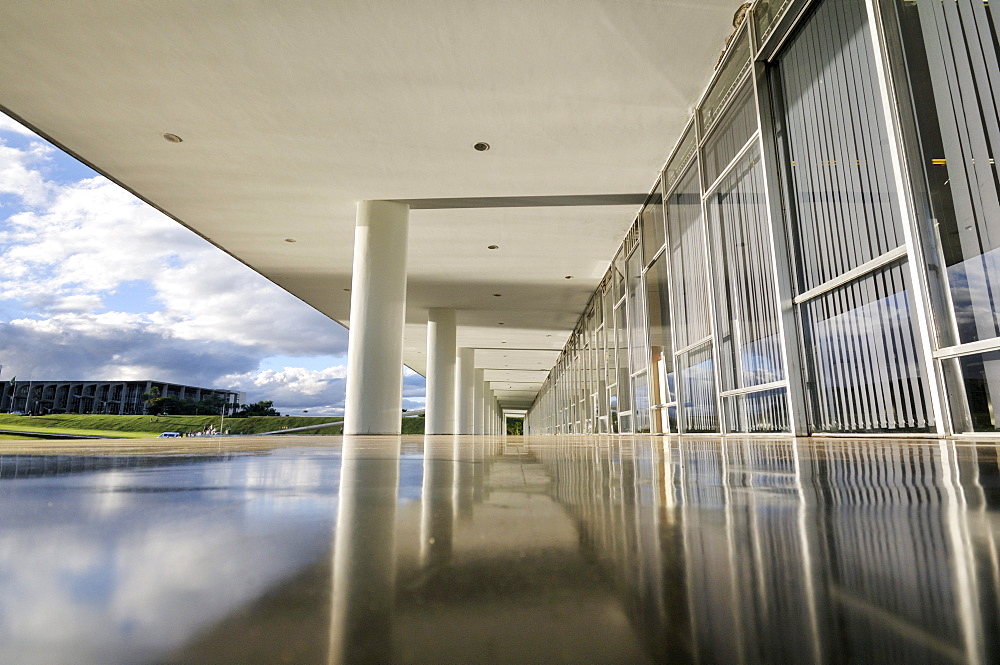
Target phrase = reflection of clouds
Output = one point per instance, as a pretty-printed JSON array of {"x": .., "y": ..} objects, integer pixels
[
  {"x": 972, "y": 283},
  {"x": 122, "y": 565}
]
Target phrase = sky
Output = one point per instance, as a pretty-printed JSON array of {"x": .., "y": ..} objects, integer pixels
[{"x": 97, "y": 285}]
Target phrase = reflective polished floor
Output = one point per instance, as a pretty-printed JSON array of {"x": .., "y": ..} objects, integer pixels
[{"x": 499, "y": 550}]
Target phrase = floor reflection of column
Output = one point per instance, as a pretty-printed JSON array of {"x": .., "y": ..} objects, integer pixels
[
  {"x": 437, "y": 505},
  {"x": 804, "y": 480},
  {"x": 364, "y": 551},
  {"x": 463, "y": 453},
  {"x": 964, "y": 564}
]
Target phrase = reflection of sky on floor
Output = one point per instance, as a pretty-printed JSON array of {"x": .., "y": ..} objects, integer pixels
[
  {"x": 109, "y": 566},
  {"x": 480, "y": 550}
]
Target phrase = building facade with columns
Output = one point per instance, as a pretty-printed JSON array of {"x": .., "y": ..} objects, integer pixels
[
  {"x": 112, "y": 397},
  {"x": 576, "y": 211}
]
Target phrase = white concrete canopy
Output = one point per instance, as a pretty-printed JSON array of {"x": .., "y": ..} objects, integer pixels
[{"x": 292, "y": 112}]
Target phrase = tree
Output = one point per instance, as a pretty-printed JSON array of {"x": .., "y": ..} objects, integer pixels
[{"x": 261, "y": 408}]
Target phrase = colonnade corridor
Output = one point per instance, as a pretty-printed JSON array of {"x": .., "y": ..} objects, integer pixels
[{"x": 487, "y": 549}]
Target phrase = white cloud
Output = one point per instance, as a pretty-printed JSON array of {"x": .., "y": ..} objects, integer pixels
[{"x": 70, "y": 249}]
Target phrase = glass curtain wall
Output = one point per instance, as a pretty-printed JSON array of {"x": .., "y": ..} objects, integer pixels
[
  {"x": 853, "y": 291},
  {"x": 947, "y": 57},
  {"x": 887, "y": 206}
]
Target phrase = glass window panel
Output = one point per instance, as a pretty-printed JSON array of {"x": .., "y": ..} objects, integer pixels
[
  {"x": 624, "y": 401},
  {"x": 765, "y": 411},
  {"x": 660, "y": 346},
  {"x": 748, "y": 331},
  {"x": 651, "y": 221},
  {"x": 640, "y": 414},
  {"x": 636, "y": 313},
  {"x": 687, "y": 261},
  {"x": 732, "y": 133},
  {"x": 981, "y": 390},
  {"x": 867, "y": 373},
  {"x": 951, "y": 59},
  {"x": 841, "y": 190},
  {"x": 679, "y": 161},
  {"x": 722, "y": 89},
  {"x": 618, "y": 266},
  {"x": 698, "y": 390}
]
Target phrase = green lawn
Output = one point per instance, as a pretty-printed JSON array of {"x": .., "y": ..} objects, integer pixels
[
  {"x": 146, "y": 426},
  {"x": 140, "y": 427}
]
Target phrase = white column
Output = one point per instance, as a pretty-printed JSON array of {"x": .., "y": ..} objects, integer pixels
[
  {"x": 440, "y": 415},
  {"x": 465, "y": 391},
  {"x": 479, "y": 424},
  {"x": 491, "y": 411},
  {"x": 373, "y": 404}
]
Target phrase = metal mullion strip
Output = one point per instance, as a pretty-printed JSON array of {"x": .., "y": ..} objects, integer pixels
[
  {"x": 724, "y": 173},
  {"x": 700, "y": 342},
  {"x": 923, "y": 334},
  {"x": 763, "y": 387},
  {"x": 891, "y": 256},
  {"x": 982, "y": 346}
]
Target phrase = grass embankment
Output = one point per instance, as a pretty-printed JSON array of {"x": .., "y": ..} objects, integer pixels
[{"x": 139, "y": 427}]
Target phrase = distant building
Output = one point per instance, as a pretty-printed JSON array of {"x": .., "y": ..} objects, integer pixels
[{"x": 115, "y": 397}]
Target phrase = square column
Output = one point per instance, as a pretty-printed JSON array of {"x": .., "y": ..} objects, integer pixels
[
  {"x": 440, "y": 415},
  {"x": 465, "y": 389},
  {"x": 373, "y": 404}
]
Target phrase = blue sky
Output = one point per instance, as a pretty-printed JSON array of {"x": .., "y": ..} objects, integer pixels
[{"x": 95, "y": 284}]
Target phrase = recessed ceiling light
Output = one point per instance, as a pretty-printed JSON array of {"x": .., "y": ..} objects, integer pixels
[
  {"x": 493, "y": 247},
  {"x": 290, "y": 240},
  {"x": 173, "y": 138},
  {"x": 482, "y": 146}
]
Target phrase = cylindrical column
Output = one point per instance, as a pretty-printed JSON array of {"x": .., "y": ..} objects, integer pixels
[
  {"x": 465, "y": 391},
  {"x": 440, "y": 418},
  {"x": 479, "y": 423},
  {"x": 378, "y": 309}
]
